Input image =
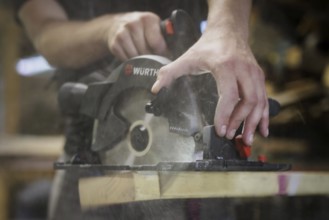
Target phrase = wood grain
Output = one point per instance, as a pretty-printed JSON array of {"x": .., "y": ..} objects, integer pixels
[{"x": 138, "y": 186}]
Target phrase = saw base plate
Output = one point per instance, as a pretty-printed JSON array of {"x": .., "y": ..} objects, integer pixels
[{"x": 199, "y": 165}]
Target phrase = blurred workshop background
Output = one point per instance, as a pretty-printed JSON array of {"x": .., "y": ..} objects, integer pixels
[{"x": 290, "y": 39}]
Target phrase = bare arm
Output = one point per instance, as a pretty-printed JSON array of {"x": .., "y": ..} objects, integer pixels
[
  {"x": 223, "y": 50},
  {"x": 74, "y": 44}
]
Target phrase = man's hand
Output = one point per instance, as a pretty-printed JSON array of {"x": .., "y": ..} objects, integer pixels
[
  {"x": 136, "y": 33},
  {"x": 240, "y": 82},
  {"x": 125, "y": 35}
]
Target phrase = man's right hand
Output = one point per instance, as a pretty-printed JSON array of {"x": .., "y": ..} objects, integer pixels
[{"x": 135, "y": 33}]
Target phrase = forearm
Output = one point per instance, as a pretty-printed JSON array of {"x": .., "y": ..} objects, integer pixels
[
  {"x": 64, "y": 43},
  {"x": 230, "y": 18},
  {"x": 72, "y": 44}
]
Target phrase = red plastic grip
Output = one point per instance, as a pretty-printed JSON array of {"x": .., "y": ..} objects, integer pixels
[
  {"x": 243, "y": 149},
  {"x": 169, "y": 27}
]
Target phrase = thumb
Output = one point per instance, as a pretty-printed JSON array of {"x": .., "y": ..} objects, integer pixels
[{"x": 170, "y": 72}]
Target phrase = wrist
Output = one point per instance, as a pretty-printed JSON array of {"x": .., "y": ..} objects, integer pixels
[
  {"x": 229, "y": 18},
  {"x": 227, "y": 34},
  {"x": 102, "y": 29}
]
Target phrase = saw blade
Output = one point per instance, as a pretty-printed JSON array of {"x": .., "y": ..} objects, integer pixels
[{"x": 148, "y": 140}]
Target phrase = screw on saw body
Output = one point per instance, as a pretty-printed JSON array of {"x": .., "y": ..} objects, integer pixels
[
  {"x": 150, "y": 108},
  {"x": 197, "y": 137}
]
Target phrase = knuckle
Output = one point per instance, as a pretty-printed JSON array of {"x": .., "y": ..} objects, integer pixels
[
  {"x": 231, "y": 95},
  {"x": 133, "y": 25},
  {"x": 154, "y": 44},
  {"x": 226, "y": 62},
  {"x": 115, "y": 50},
  {"x": 250, "y": 101},
  {"x": 260, "y": 74},
  {"x": 148, "y": 16},
  {"x": 120, "y": 36},
  {"x": 263, "y": 103},
  {"x": 164, "y": 71},
  {"x": 114, "y": 45},
  {"x": 255, "y": 69}
]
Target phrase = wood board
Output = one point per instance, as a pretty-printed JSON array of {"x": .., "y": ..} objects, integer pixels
[
  {"x": 124, "y": 187},
  {"x": 31, "y": 145}
]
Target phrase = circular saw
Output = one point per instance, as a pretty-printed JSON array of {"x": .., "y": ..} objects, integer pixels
[{"x": 172, "y": 131}]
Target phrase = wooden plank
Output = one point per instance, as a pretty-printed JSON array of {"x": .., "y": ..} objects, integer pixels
[
  {"x": 138, "y": 186},
  {"x": 31, "y": 145},
  {"x": 120, "y": 187}
]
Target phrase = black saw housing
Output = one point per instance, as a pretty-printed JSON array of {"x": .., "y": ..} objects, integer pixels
[{"x": 98, "y": 101}]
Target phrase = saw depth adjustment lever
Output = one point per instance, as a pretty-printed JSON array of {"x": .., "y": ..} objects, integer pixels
[{"x": 157, "y": 106}]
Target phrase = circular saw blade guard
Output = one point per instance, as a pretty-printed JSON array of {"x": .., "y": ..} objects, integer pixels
[{"x": 127, "y": 135}]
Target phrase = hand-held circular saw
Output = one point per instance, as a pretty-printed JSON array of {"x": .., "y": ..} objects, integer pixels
[{"x": 172, "y": 131}]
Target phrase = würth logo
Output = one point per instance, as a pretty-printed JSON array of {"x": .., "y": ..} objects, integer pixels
[{"x": 140, "y": 71}]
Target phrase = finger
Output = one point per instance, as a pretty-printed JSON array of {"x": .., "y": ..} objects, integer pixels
[
  {"x": 118, "y": 52},
  {"x": 139, "y": 40},
  {"x": 248, "y": 99},
  {"x": 128, "y": 45},
  {"x": 122, "y": 45},
  {"x": 264, "y": 123},
  {"x": 240, "y": 112},
  {"x": 255, "y": 116},
  {"x": 154, "y": 38},
  {"x": 250, "y": 125},
  {"x": 170, "y": 72},
  {"x": 228, "y": 90}
]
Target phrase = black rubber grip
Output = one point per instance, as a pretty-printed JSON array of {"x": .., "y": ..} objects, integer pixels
[
  {"x": 70, "y": 97},
  {"x": 274, "y": 107}
]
